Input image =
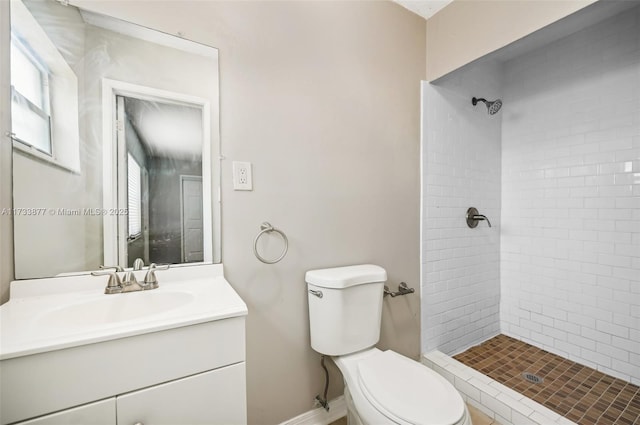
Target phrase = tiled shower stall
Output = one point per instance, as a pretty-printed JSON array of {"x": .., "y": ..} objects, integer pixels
[
  {"x": 570, "y": 234},
  {"x": 557, "y": 172}
]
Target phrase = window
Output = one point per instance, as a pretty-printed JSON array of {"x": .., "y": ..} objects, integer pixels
[
  {"x": 44, "y": 93},
  {"x": 30, "y": 116},
  {"x": 134, "y": 199}
]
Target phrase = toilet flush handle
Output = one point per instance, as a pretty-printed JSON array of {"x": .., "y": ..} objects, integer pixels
[{"x": 316, "y": 293}]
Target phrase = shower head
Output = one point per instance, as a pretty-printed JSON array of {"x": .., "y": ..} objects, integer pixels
[{"x": 492, "y": 106}]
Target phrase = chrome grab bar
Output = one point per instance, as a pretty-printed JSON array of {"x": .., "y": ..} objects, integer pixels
[{"x": 403, "y": 289}]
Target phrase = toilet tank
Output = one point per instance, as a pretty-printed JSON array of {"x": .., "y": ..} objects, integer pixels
[{"x": 345, "y": 308}]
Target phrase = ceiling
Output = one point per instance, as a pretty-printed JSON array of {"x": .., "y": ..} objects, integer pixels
[
  {"x": 424, "y": 8},
  {"x": 167, "y": 130}
]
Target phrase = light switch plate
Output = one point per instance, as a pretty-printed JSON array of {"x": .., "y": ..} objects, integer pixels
[{"x": 242, "y": 179}]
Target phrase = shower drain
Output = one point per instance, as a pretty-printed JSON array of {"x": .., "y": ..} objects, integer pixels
[{"x": 534, "y": 379}]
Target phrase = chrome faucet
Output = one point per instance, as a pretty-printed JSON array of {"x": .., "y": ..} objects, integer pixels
[
  {"x": 129, "y": 283},
  {"x": 138, "y": 264}
]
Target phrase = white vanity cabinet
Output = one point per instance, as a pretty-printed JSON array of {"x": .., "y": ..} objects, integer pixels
[
  {"x": 209, "y": 398},
  {"x": 182, "y": 366},
  {"x": 190, "y": 375}
]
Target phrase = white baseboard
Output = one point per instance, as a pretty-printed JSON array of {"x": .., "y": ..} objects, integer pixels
[{"x": 319, "y": 416}]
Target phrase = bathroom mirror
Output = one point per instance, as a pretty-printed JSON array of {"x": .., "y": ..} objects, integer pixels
[{"x": 115, "y": 143}]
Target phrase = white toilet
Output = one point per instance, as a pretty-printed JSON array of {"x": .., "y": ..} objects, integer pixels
[{"x": 381, "y": 387}]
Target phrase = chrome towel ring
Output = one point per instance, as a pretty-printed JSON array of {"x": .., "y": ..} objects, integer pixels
[{"x": 268, "y": 228}]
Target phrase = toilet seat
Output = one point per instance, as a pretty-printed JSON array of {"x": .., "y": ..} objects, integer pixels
[
  {"x": 407, "y": 392},
  {"x": 387, "y": 387}
]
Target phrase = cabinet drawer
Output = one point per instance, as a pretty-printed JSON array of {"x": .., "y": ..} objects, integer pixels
[
  {"x": 98, "y": 413},
  {"x": 215, "y": 397}
]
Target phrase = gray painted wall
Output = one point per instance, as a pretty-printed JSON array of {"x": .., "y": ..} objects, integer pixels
[
  {"x": 323, "y": 98},
  {"x": 165, "y": 241}
]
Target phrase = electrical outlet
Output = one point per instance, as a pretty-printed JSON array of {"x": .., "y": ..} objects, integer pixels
[{"x": 242, "y": 176}]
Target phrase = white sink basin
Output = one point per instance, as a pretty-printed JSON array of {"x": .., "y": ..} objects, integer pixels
[
  {"x": 111, "y": 309},
  {"x": 64, "y": 344},
  {"x": 50, "y": 314}
]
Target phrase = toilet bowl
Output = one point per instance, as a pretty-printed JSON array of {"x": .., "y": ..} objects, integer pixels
[
  {"x": 381, "y": 387},
  {"x": 384, "y": 387}
]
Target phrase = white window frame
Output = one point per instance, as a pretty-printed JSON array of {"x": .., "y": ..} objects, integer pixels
[
  {"x": 63, "y": 89},
  {"x": 44, "y": 110}
]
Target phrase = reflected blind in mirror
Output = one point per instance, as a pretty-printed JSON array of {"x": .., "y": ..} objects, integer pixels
[{"x": 134, "y": 198}]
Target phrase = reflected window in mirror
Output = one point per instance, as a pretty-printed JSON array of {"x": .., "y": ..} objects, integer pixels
[
  {"x": 44, "y": 94},
  {"x": 30, "y": 119}
]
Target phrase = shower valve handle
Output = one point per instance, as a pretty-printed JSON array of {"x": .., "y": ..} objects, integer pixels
[
  {"x": 482, "y": 217},
  {"x": 473, "y": 217}
]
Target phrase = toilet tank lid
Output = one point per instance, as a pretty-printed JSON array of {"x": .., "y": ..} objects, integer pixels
[{"x": 344, "y": 277}]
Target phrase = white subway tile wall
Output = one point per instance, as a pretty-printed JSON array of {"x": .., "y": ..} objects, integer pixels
[
  {"x": 570, "y": 237},
  {"x": 460, "y": 169}
]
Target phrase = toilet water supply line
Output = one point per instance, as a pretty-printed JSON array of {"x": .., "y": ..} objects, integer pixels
[{"x": 322, "y": 401}]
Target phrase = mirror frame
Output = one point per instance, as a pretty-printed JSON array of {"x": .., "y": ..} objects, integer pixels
[{"x": 7, "y": 272}]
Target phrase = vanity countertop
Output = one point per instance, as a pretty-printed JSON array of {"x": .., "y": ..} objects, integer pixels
[{"x": 51, "y": 314}]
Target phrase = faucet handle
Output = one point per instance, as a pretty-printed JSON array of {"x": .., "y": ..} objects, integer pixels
[
  {"x": 150, "y": 279},
  {"x": 114, "y": 284},
  {"x": 482, "y": 217},
  {"x": 117, "y": 268}
]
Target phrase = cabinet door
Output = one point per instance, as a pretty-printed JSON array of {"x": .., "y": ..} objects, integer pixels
[
  {"x": 214, "y": 397},
  {"x": 98, "y": 413}
]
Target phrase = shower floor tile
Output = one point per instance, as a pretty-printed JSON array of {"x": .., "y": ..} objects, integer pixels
[{"x": 577, "y": 392}]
